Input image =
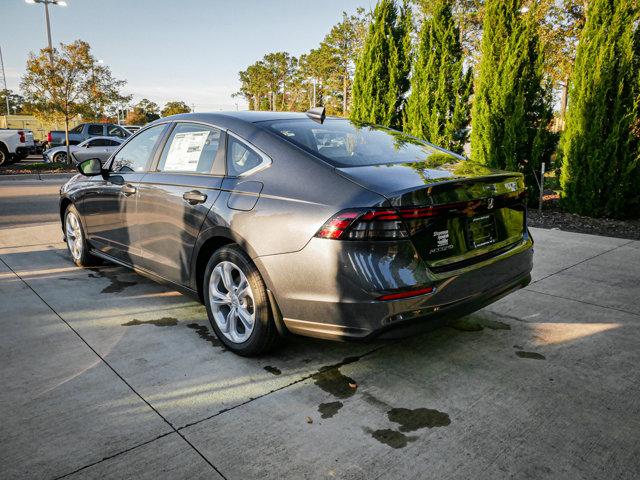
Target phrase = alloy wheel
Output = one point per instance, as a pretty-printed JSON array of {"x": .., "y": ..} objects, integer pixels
[
  {"x": 74, "y": 235},
  {"x": 232, "y": 302}
]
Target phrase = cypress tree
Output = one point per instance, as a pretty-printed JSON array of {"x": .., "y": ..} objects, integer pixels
[
  {"x": 438, "y": 107},
  {"x": 512, "y": 105},
  {"x": 600, "y": 151},
  {"x": 382, "y": 70}
]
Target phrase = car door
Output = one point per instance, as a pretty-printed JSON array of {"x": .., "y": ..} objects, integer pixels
[
  {"x": 116, "y": 131},
  {"x": 89, "y": 149},
  {"x": 111, "y": 145},
  {"x": 95, "y": 130},
  {"x": 109, "y": 208},
  {"x": 175, "y": 197}
]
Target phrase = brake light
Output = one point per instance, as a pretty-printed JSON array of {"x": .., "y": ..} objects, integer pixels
[
  {"x": 410, "y": 293},
  {"x": 49, "y": 137},
  {"x": 376, "y": 224},
  {"x": 335, "y": 227},
  {"x": 21, "y": 135}
]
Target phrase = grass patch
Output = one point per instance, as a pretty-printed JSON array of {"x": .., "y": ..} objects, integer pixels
[{"x": 39, "y": 167}]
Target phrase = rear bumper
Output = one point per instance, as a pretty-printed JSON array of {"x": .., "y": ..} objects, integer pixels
[
  {"x": 329, "y": 289},
  {"x": 25, "y": 150}
]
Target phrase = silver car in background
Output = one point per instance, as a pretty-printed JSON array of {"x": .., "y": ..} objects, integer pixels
[{"x": 94, "y": 147}]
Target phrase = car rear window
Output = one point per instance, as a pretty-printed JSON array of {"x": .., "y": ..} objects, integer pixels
[{"x": 343, "y": 143}]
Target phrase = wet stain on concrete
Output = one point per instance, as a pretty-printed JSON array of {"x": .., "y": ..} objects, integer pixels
[
  {"x": 328, "y": 410},
  {"x": 392, "y": 438},
  {"x": 411, "y": 420},
  {"x": 474, "y": 323},
  {"x": 116, "y": 285},
  {"x": 158, "y": 322},
  {"x": 532, "y": 355},
  {"x": 332, "y": 381},
  {"x": 203, "y": 332},
  {"x": 273, "y": 370}
]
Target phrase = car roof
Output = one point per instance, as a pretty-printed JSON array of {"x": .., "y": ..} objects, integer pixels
[
  {"x": 248, "y": 116},
  {"x": 104, "y": 137}
]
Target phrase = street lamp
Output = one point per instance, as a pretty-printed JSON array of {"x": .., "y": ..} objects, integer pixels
[{"x": 46, "y": 3}]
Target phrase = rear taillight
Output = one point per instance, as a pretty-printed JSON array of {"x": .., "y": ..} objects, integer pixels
[
  {"x": 49, "y": 137},
  {"x": 21, "y": 135},
  {"x": 376, "y": 224}
]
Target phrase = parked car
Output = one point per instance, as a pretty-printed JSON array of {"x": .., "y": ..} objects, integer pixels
[
  {"x": 84, "y": 131},
  {"x": 15, "y": 145},
  {"x": 286, "y": 222},
  {"x": 95, "y": 147}
]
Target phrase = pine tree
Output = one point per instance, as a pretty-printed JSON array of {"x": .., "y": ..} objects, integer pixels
[
  {"x": 600, "y": 166},
  {"x": 512, "y": 105},
  {"x": 382, "y": 71},
  {"x": 438, "y": 108}
]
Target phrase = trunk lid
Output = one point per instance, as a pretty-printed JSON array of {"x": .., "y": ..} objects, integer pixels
[{"x": 480, "y": 211}]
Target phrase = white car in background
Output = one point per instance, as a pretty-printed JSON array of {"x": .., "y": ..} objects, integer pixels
[
  {"x": 15, "y": 145},
  {"x": 94, "y": 147}
]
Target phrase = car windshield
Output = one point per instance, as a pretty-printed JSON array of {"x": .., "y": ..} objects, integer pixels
[{"x": 343, "y": 143}]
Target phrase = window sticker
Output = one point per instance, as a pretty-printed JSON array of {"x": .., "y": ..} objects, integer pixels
[{"x": 184, "y": 153}]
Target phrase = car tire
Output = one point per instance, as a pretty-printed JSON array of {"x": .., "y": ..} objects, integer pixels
[
  {"x": 232, "y": 293},
  {"x": 5, "y": 157},
  {"x": 76, "y": 239},
  {"x": 60, "y": 157}
]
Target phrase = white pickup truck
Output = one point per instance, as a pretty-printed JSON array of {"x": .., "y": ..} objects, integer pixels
[{"x": 15, "y": 145}]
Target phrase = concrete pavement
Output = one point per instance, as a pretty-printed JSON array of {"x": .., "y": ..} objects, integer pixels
[
  {"x": 106, "y": 374},
  {"x": 29, "y": 199}
]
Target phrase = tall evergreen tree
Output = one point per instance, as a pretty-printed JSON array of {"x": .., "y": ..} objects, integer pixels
[
  {"x": 438, "y": 107},
  {"x": 382, "y": 71},
  {"x": 600, "y": 163},
  {"x": 512, "y": 105}
]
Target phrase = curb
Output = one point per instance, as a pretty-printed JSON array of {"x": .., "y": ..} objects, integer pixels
[{"x": 36, "y": 176}]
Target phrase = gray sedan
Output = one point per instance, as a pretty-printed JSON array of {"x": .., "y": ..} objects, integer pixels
[
  {"x": 290, "y": 222},
  {"x": 94, "y": 147}
]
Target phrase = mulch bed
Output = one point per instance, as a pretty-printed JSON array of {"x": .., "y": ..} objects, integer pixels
[{"x": 555, "y": 219}]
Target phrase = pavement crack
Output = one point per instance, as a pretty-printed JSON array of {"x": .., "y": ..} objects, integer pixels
[
  {"x": 583, "y": 302},
  {"x": 173, "y": 428},
  {"x": 346, "y": 361},
  {"x": 581, "y": 262},
  {"x": 109, "y": 457}
]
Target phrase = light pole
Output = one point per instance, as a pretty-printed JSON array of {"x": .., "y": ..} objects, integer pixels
[
  {"x": 46, "y": 3},
  {"x": 4, "y": 78}
]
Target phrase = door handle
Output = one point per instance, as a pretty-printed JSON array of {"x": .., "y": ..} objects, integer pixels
[
  {"x": 127, "y": 189},
  {"x": 194, "y": 197}
]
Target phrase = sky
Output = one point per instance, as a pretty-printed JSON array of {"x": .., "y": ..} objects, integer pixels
[{"x": 188, "y": 50}]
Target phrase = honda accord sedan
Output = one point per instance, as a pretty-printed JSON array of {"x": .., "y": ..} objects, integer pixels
[{"x": 300, "y": 223}]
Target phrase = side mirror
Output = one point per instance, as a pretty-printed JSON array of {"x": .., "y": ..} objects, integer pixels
[{"x": 90, "y": 168}]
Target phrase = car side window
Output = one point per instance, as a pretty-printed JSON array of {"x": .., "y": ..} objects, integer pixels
[
  {"x": 191, "y": 148},
  {"x": 115, "y": 131},
  {"x": 94, "y": 143},
  {"x": 241, "y": 158},
  {"x": 94, "y": 130},
  {"x": 77, "y": 129},
  {"x": 111, "y": 143},
  {"x": 133, "y": 157}
]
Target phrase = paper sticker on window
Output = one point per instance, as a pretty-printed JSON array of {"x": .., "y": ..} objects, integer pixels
[{"x": 184, "y": 153}]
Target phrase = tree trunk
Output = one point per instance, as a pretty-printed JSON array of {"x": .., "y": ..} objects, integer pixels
[
  {"x": 345, "y": 82},
  {"x": 66, "y": 135},
  {"x": 564, "y": 101}
]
